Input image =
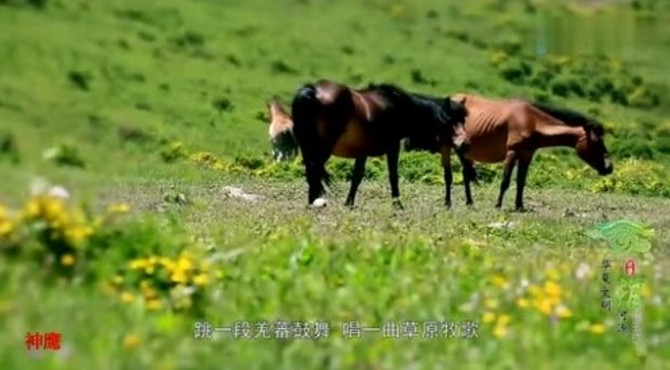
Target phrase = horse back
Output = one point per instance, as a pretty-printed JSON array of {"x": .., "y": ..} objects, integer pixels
[{"x": 494, "y": 125}]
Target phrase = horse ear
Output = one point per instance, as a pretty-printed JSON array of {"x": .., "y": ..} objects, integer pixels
[{"x": 463, "y": 100}]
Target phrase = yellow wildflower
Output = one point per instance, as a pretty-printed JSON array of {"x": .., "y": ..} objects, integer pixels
[
  {"x": 522, "y": 302},
  {"x": 597, "y": 328},
  {"x": 6, "y": 227},
  {"x": 543, "y": 305},
  {"x": 645, "y": 291},
  {"x": 503, "y": 320},
  {"x": 149, "y": 269},
  {"x": 184, "y": 263},
  {"x": 552, "y": 289},
  {"x": 32, "y": 208},
  {"x": 153, "y": 304},
  {"x": 500, "y": 331},
  {"x": 488, "y": 317},
  {"x": 178, "y": 276},
  {"x": 491, "y": 303},
  {"x": 137, "y": 264},
  {"x": 127, "y": 297},
  {"x": 201, "y": 279},
  {"x": 500, "y": 281},
  {"x": 118, "y": 208},
  {"x": 53, "y": 208},
  {"x": 78, "y": 234},
  {"x": 553, "y": 300},
  {"x": 3, "y": 211},
  {"x": 131, "y": 341},
  {"x": 67, "y": 260},
  {"x": 553, "y": 274},
  {"x": 563, "y": 312}
]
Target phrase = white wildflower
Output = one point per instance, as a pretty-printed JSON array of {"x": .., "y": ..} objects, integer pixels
[{"x": 583, "y": 271}]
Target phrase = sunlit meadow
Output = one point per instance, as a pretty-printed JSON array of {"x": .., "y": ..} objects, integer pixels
[{"x": 138, "y": 197}]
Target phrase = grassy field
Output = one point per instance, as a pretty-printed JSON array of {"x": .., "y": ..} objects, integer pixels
[{"x": 149, "y": 112}]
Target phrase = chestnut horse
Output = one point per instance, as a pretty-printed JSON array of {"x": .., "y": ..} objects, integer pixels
[
  {"x": 284, "y": 146},
  {"x": 510, "y": 131},
  {"x": 332, "y": 119}
]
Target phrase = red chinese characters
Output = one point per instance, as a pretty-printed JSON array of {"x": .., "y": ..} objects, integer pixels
[
  {"x": 43, "y": 341},
  {"x": 629, "y": 267}
]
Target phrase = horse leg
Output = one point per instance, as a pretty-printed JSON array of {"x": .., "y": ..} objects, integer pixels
[
  {"x": 313, "y": 181},
  {"x": 357, "y": 176},
  {"x": 510, "y": 161},
  {"x": 468, "y": 176},
  {"x": 392, "y": 163},
  {"x": 445, "y": 152},
  {"x": 521, "y": 174},
  {"x": 314, "y": 161}
]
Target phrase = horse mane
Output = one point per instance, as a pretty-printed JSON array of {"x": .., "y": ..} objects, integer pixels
[
  {"x": 571, "y": 117},
  {"x": 387, "y": 90},
  {"x": 393, "y": 92}
]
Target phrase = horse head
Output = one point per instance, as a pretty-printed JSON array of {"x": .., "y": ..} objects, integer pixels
[
  {"x": 591, "y": 148},
  {"x": 456, "y": 113}
]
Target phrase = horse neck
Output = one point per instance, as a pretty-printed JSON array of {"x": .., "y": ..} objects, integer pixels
[{"x": 556, "y": 133}]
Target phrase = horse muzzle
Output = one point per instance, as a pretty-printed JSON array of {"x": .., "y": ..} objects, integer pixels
[
  {"x": 461, "y": 145},
  {"x": 607, "y": 168}
]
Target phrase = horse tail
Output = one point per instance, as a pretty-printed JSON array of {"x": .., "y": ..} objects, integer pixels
[{"x": 305, "y": 110}]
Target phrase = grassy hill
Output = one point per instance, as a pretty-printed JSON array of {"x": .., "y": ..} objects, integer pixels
[{"x": 156, "y": 105}]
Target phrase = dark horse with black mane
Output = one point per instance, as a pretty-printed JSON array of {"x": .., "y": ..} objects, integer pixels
[
  {"x": 332, "y": 119},
  {"x": 512, "y": 130}
]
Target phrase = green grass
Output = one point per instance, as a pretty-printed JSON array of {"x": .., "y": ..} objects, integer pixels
[{"x": 111, "y": 86}]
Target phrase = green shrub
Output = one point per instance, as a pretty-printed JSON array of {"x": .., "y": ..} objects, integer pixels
[
  {"x": 37, "y": 4},
  {"x": 631, "y": 143},
  {"x": 594, "y": 78},
  {"x": 642, "y": 97},
  {"x": 636, "y": 177},
  {"x": 65, "y": 155},
  {"x": 252, "y": 163},
  {"x": 516, "y": 71},
  {"x": 8, "y": 147},
  {"x": 175, "y": 151}
]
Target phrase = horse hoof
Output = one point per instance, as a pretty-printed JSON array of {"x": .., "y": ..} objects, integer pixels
[
  {"x": 319, "y": 203},
  {"x": 398, "y": 205}
]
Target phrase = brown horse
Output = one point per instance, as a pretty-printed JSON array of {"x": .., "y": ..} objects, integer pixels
[
  {"x": 284, "y": 146},
  {"x": 333, "y": 119},
  {"x": 510, "y": 131}
]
